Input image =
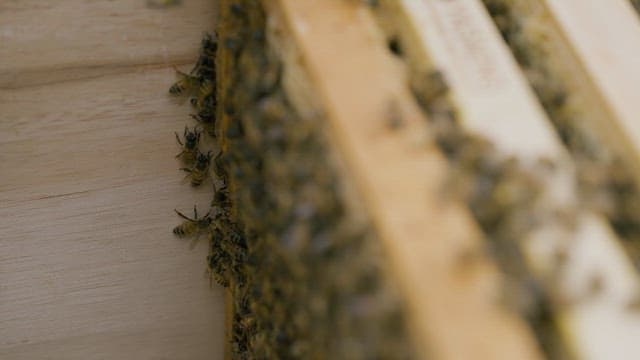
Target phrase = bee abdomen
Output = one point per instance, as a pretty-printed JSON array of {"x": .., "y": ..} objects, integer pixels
[
  {"x": 176, "y": 89},
  {"x": 179, "y": 231},
  {"x": 197, "y": 179}
]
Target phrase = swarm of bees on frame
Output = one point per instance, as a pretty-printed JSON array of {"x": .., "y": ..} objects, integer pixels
[
  {"x": 199, "y": 85},
  {"x": 606, "y": 183},
  {"x": 305, "y": 273}
]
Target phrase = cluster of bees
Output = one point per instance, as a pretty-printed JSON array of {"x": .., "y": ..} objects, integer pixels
[
  {"x": 290, "y": 226},
  {"x": 200, "y": 86}
]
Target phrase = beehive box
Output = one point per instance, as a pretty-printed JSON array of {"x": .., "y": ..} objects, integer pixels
[{"x": 429, "y": 179}]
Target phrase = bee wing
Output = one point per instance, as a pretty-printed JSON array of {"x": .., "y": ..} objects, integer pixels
[{"x": 194, "y": 242}]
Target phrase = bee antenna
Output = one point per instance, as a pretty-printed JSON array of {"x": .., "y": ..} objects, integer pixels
[{"x": 182, "y": 215}]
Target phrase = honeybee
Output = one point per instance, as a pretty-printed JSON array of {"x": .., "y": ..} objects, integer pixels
[
  {"x": 187, "y": 83},
  {"x": 206, "y": 91},
  {"x": 205, "y": 66},
  {"x": 190, "y": 146},
  {"x": 198, "y": 173},
  {"x": 217, "y": 259},
  {"x": 209, "y": 45},
  {"x": 219, "y": 166},
  {"x": 221, "y": 200},
  {"x": 193, "y": 227},
  {"x": 207, "y": 120}
]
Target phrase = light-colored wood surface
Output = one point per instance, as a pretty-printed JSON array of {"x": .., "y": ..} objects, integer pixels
[
  {"x": 453, "y": 312},
  {"x": 89, "y": 268}
]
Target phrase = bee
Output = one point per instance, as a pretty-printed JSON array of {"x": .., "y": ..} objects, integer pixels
[
  {"x": 205, "y": 94},
  {"x": 219, "y": 166},
  {"x": 221, "y": 200},
  {"x": 207, "y": 120},
  {"x": 193, "y": 227},
  {"x": 205, "y": 66},
  {"x": 218, "y": 259},
  {"x": 187, "y": 83},
  {"x": 190, "y": 146},
  {"x": 198, "y": 173}
]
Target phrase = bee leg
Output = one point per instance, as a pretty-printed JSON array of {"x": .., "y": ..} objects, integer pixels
[
  {"x": 188, "y": 171},
  {"x": 178, "y": 139},
  {"x": 181, "y": 152},
  {"x": 183, "y": 215}
]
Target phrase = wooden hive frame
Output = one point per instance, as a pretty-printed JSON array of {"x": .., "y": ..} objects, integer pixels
[
  {"x": 337, "y": 63},
  {"x": 459, "y": 38}
]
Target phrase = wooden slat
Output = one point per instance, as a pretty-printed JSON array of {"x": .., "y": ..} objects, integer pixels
[
  {"x": 604, "y": 37},
  {"x": 458, "y": 38},
  {"x": 63, "y": 40},
  {"x": 453, "y": 313}
]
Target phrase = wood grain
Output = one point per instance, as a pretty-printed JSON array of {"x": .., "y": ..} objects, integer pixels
[
  {"x": 62, "y": 40},
  {"x": 89, "y": 268}
]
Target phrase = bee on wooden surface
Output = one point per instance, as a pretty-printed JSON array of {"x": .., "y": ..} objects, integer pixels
[
  {"x": 204, "y": 97},
  {"x": 205, "y": 66},
  {"x": 193, "y": 226},
  {"x": 207, "y": 120},
  {"x": 219, "y": 166},
  {"x": 186, "y": 84},
  {"x": 189, "y": 146},
  {"x": 221, "y": 200},
  {"x": 209, "y": 44},
  {"x": 217, "y": 260},
  {"x": 199, "y": 172}
]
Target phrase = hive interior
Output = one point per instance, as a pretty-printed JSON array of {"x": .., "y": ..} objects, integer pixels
[{"x": 290, "y": 239}]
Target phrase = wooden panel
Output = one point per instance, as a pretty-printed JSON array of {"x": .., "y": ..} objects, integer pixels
[
  {"x": 453, "y": 313},
  {"x": 89, "y": 268},
  {"x": 49, "y": 41}
]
